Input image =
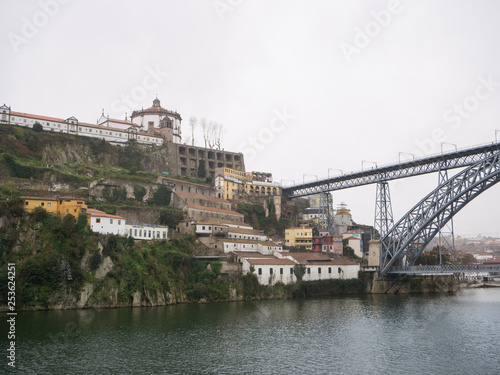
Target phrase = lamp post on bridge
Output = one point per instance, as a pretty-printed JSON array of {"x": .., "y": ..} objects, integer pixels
[
  {"x": 286, "y": 180},
  {"x": 367, "y": 161},
  {"x": 335, "y": 169},
  {"x": 306, "y": 174},
  {"x": 405, "y": 153},
  {"x": 451, "y": 144}
]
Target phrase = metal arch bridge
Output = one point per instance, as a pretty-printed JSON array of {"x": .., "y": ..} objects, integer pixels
[
  {"x": 434, "y": 163},
  {"x": 402, "y": 244},
  {"x": 406, "y": 240}
]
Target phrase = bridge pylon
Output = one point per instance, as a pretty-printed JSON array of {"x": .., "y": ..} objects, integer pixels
[
  {"x": 384, "y": 219},
  {"x": 325, "y": 218}
]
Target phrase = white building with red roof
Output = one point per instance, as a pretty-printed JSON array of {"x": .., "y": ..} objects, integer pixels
[
  {"x": 116, "y": 132},
  {"x": 102, "y": 222}
]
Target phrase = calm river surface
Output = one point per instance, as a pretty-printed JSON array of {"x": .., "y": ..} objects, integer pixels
[{"x": 444, "y": 334}]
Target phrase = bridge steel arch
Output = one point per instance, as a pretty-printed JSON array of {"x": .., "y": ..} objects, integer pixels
[{"x": 404, "y": 243}]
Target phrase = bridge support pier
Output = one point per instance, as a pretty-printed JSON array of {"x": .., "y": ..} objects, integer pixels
[{"x": 384, "y": 220}]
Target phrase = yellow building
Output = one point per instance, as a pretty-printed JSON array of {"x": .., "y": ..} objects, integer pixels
[
  {"x": 56, "y": 206},
  {"x": 301, "y": 236},
  {"x": 231, "y": 184}
]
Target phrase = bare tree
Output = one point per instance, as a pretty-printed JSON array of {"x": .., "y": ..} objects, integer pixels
[
  {"x": 212, "y": 131},
  {"x": 204, "y": 127},
  {"x": 218, "y": 136},
  {"x": 192, "y": 124}
]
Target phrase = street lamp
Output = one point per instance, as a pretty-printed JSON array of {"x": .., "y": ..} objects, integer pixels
[
  {"x": 335, "y": 169},
  {"x": 367, "y": 161},
  {"x": 287, "y": 180},
  {"x": 405, "y": 153},
  {"x": 446, "y": 143},
  {"x": 306, "y": 174}
]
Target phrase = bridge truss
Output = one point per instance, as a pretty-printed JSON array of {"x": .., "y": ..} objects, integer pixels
[
  {"x": 436, "y": 163},
  {"x": 404, "y": 243}
]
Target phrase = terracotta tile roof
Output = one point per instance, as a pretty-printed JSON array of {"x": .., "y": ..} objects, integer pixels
[
  {"x": 246, "y": 231},
  {"x": 253, "y": 254},
  {"x": 195, "y": 207},
  {"x": 121, "y": 122},
  {"x": 264, "y": 243},
  {"x": 46, "y": 118},
  {"x": 318, "y": 259},
  {"x": 97, "y": 213},
  {"x": 492, "y": 261},
  {"x": 272, "y": 262},
  {"x": 215, "y": 221}
]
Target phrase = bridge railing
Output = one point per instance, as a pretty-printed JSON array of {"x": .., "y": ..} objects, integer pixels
[
  {"x": 453, "y": 268},
  {"x": 408, "y": 161}
]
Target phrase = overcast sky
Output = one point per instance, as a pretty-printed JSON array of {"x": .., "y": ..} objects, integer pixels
[{"x": 300, "y": 87}]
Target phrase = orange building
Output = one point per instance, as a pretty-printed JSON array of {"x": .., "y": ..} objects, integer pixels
[{"x": 56, "y": 206}]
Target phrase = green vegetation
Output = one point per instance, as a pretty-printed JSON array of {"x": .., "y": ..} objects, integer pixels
[
  {"x": 171, "y": 217},
  {"x": 255, "y": 215},
  {"x": 162, "y": 196},
  {"x": 37, "y": 127},
  {"x": 139, "y": 192},
  {"x": 202, "y": 171}
]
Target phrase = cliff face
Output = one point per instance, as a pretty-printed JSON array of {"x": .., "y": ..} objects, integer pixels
[
  {"x": 60, "y": 264},
  {"x": 49, "y": 149}
]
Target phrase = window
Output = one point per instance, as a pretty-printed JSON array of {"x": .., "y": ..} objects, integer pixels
[
  {"x": 135, "y": 232},
  {"x": 43, "y": 203},
  {"x": 291, "y": 270},
  {"x": 329, "y": 269},
  {"x": 270, "y": 271},
  {"x": 67, "y": 210},
  {"x": 130, "y": 232},
  {"x": 308, "y": 270},
  {"x": 73, "y": 210},
  {"x": 260, "y": 271},
  {"x": 157, "y": 234},
  {"x": 98, "y": 220},
  {"x": 119, "y": 222},
  {"x": 340, "y": 270},
  {"x": 27, "y": 203},
  {"x": 111, "y": 221},
  {"x": 281, "y": 271},
  {"x": 319, "y": 269},
  {"x": 140, "y": 232}
]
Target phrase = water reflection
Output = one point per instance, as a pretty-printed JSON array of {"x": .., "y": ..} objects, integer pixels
[{"x": 373, "y": 334}]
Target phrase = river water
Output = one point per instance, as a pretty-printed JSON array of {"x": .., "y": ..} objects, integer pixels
[{"x": 374, "y": 334}]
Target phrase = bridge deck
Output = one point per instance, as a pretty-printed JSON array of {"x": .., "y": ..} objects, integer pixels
[
  {"x": 430, "y": 164},
  {"x": 455, "y": 268}
]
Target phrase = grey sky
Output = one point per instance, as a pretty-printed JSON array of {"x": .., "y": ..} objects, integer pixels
[{"x": 244, "y": 63}]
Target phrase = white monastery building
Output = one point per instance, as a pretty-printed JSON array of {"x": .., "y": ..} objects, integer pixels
[{"x": 151, "y": 126}]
